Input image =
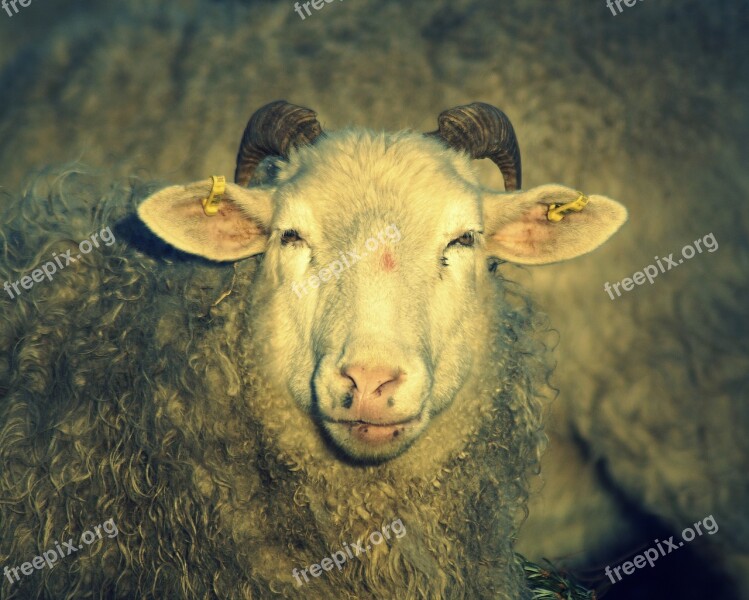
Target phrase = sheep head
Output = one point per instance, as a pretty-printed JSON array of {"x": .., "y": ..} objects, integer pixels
[{"x": 373, "y": 299}]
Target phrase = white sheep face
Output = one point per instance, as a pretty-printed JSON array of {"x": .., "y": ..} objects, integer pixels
[{"x": 371, "y": 299}]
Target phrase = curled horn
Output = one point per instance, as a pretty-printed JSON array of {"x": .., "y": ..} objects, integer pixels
[
  {"x": 483, "y": 131},
  {"x": 273, "y": 130}
]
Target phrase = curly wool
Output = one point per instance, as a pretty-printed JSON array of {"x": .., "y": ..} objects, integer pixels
[{"x": 129, "y": 393}]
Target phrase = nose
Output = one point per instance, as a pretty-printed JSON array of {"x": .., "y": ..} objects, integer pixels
[
  {"x": 373, "y": 388},
  {"x": 373, "y": 381}
]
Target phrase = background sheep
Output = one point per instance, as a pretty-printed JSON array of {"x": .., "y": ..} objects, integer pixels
[{"x": 649, "y": 105}]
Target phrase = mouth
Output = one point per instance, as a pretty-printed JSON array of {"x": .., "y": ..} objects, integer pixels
[{"x": 376, "y": 434}]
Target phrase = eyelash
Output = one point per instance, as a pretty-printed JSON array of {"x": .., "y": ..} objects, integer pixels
[
  {"x": 467, "y": 239},
  {"x": 289, "y": 237}
]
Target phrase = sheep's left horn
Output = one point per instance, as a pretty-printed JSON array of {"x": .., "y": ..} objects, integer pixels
[
  {"x": 483, "y": 131},
  {"x": 272, "y": 131}
]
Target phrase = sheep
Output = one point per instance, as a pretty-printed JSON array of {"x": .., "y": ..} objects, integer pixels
[
  {"x": 235, "y": 432},
  {"x": 649, "y": 106}
]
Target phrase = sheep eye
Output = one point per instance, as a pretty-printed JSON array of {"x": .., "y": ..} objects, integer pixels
[
  {"x": 290, "y": 236},
  {"x": 466, "y": 239}
]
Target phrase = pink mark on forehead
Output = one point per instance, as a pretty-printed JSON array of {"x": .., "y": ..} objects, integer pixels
[{"x": 387, "y": 261}]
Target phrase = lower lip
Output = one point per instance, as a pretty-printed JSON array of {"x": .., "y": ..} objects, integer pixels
[{"x": 376, "y": 435}]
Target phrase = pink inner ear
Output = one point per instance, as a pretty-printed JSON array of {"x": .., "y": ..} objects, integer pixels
[
  {"x": 529, "y": 234},
  {"x": 236, "y": 228},
  {"x": 228, "y": 231}
]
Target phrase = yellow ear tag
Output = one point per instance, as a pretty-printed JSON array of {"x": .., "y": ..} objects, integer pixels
[
  {"x": 557, "y": 211},
  {"x": 211, "y": 203}
]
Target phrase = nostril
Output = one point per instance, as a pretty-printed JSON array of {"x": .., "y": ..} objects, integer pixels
[
  {"x": 388, "y": 387},
  {"x": 345, "y": 374},
  {"x": 373, "y": 380}
]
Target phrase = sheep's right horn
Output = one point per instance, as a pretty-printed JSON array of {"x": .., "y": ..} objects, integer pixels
[
  {"x": 272, "y": 131},
  {"x": 483, "y": 131}
]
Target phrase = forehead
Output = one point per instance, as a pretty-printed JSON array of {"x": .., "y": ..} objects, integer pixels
[{"x": 355, "y": 177}]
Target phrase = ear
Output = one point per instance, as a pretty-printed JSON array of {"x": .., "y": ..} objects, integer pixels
[
  {"x": 238, "y": 229},
  {"x": 518, "y": 228}
]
